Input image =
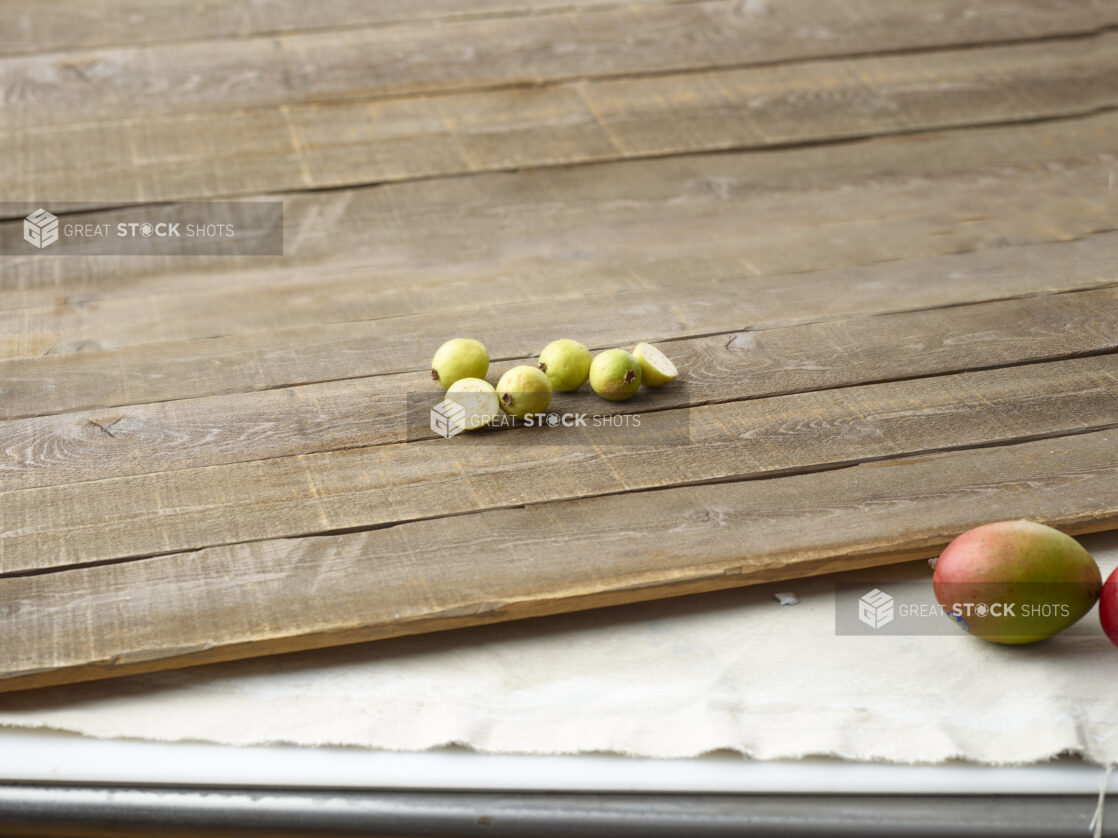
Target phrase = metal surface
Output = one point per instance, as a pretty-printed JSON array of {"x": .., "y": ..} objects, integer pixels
[{"x": 92, "y": 812}]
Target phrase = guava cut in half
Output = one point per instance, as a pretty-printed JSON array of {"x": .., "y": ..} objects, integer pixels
[
  {"x": 478, "y": 401},
  {"x": 656, "y": 368}
]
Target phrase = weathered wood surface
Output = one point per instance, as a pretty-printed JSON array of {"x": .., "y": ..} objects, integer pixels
[
  {"x": 75, "y": 24},
  {"x": 880, "y": 238},
  {"x": 263, "y": 360},
  {"x": 170, "y": 511},
  {"x": 282, "y": 595},
  {"x": 109, "y": 321},
  {"x": 213, "y": 430},
  {"x": 839, "y": 25},
  {"x": 708, "y": 218},
  {"x": 192, "y": 155},
  {"x": 780, "y": 211},
  {"x": 599, "y": 40},
  {"x": 114, "y": 323}
]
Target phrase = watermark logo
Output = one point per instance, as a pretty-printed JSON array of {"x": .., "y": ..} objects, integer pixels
[
  {"x": 875, "y": 609},
  {"x": 486, "y": 424},
  {"x": 40, "y": 229},
  {"x": 1012, "y": 612},
  {"x": 448, "y": 419},
  {"x": 190, "y": 228}
]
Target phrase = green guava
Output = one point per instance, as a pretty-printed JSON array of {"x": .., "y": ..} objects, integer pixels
[
  {"x": 524, "y": 390},
  {"x": 478, "y": 400},
  {"x": 615, "y": 375},
  {"x": 457, "y": 359},
  {"x": 656, "y": 369},
  {"x": 566, "y": 364}
]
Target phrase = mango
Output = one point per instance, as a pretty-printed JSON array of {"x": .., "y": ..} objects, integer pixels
[
  {"x": 1108, "y": 607},
  {"x": 1016, "y": 582}
]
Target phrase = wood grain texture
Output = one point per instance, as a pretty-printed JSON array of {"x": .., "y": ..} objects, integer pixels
[
  {"x": 254, "y": 361},
  {"x": 780, "y": 211},
  {"x": 76, "y": 24},
  {"x": 171, "y": 511},
  {"x": 879, "y": 237},
  {"x": 112, "y": 322},
  {"x": 595, "y": 41},
  {"x": 167, "y": 436},
  {"x": 196, "y": 155},
  {"x": 284, "y": 595}
]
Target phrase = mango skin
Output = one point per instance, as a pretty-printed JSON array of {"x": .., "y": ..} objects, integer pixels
[
  {"x": 1023, "y": 563},
  {"x": 457, "y": 359},
  {"x": 1108, "y": 607},
  {"x": 615, "y": 375}
]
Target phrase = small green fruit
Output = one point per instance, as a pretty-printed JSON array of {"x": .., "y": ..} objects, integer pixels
[
  {"x": 477, "y": 398},
  {"x": 656, "y": 369},
  {"x": 566, "y": 363},
  {"x": 615, "y": 375},
  {"x": 457, "y": 359},
  {"x": 523, "y": 391}
]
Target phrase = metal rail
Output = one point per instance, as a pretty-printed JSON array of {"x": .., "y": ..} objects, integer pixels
[{"x": 100, "y": 812}]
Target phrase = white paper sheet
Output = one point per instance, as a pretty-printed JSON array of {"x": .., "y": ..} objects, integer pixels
[
  {"x": 728, "y": 671},
  {"x": 32, "y": 756}
]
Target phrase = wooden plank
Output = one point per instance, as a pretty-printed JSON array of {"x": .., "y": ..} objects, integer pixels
[
  {"x": 614, "y": 39},
  {"x": 279, "y": 148},
  {"x": 113, "y": 322},
  {"x": 97, "y": 379},
  {"x": 780, "y": 211},
  {"x": 168, "y": 436},
  {"x": 83, "y": 24},
  {"x": 284, "y": 595},
  {"x": 172, "y": 511}
]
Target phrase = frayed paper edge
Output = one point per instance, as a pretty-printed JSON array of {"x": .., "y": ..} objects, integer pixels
[{"x": 746, "y": 753}]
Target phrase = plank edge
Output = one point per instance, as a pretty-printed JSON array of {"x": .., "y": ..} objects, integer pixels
[{"x": 721, "y": 576}]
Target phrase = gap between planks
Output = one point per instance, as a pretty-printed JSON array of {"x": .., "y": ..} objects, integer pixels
[
  {"x": 324, "y": 147},
  {"x": 804, "y": 471},
  {"x": 334, "y": 416},
  {"x": 171, "y": 371},
  {"x": 621, "y": 41},
  {"x": 323, "y": 18},
  {"x": 283, "y": 595},
  {"x": 170, "y": 511},
  {"x": 209, "y": 313},
  {"x": 496, "y": 225}
]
